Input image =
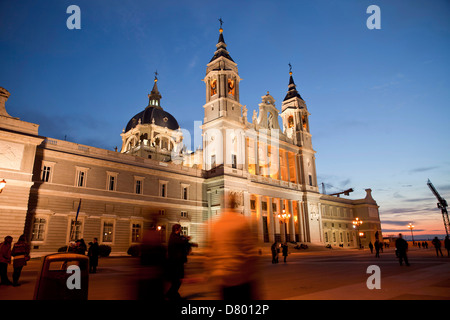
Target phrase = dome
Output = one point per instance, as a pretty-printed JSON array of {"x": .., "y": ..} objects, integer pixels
[{"x": 154, "y": 115}]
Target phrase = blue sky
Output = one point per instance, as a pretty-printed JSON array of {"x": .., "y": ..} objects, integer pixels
[{"x": 378, "y": 98}]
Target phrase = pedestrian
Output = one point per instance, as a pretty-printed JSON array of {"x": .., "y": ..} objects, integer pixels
[
  {"x": 5, "y": 259},
  {"x": 233, "y": 254},
  {"x": 285, "y": 251},
  {"x": 447, "y": 245},
  {"x": 177, "y": 256},
  {"x": 371, "y": 247},
  {"x": 437, "y": 245},
  {"x": 418, "y": 243},
  {"x": 80, "y": 247},
  {"x": 153, "y": 261},
  {"x": 378, "y": 246},
  {"x": 401, "y": 247},
  {"x": 274, "y": 252},
  {"x": 21, "y": 254},
  {"x": 93, "y": 253}
]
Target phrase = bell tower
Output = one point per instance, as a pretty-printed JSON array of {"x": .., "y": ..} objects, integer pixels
[
  {"x": 223, "y": 134},
  {"x": 295, "y": 116},
  {"x": 296, "y": 128},
  {"x": 222, "y": 84}
]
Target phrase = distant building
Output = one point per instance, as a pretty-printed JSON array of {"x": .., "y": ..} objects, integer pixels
[{"x": 156, "y": 181}]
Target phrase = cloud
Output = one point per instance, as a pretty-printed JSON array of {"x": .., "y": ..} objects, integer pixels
[{"x": 423, "y": 169}]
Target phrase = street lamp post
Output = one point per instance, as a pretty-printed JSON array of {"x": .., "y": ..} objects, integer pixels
[
  {"x": 411, "y": 227},
  {"x": 283, "y": 219},
  {"x": 356, "y": 224}
]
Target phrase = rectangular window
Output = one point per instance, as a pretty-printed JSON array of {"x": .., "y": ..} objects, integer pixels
[
  {"x": 274, "y": 207},
  {"x": 81, "y": 177},
  {"x": 111, "y": 182},
  {"x": 38, "y": 229},
  {"x": 184, "y": 191},
  {"x": 253, "y": 204},
  {"x": 108, "y": 229},
  {"x": 138, "y": 187},
  {"x": 233, "y": 161},
  {"x": 162, "y": 212},
  {"x": 46, "y": 173},
  {"x": 136, "y": 230},
  {"x": 264, "y": 205},
  {"x": 184, "y": 214},
  {"x": 310, "y": 180},
  {"x": 184, "y": 231},
  {"x": 75, "y": 230},
  {"x": 163, "y": 189}
]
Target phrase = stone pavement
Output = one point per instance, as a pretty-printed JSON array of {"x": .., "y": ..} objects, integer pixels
[{"x": 313, "y": 274}]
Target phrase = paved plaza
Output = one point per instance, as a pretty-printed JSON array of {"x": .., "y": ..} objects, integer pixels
[{"x": 312, "y": 274}]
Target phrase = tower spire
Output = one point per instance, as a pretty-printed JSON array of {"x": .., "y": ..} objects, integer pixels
[
  {"x": 154, "y": 97},
  {"x": 221, "y": 46},
  {"x": 292, "y": 90}
]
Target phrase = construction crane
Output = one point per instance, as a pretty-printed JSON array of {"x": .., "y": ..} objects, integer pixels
[
  {"x": 442, "y": 204},
  {"x": 345, "y": 192}
]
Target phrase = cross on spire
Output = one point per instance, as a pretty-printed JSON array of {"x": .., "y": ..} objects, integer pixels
[
  {"x": 290, "y": 67},
  {"x": 221, "y": 22},
  {"x": 156, "y": 75}
]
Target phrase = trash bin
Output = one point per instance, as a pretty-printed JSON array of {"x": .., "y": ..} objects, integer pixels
[{"x": 63, "y": 276}]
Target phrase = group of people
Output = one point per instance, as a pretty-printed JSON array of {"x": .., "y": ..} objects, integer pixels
[
  {"x": 93, "y": 252},
  {"x": 378, "y": 247},
  {"x": 161, "y": 264},
  {"x": 276, "y": 248},
  {"x": 401, "y": 248},
  {"x": 21, "y": 254}
]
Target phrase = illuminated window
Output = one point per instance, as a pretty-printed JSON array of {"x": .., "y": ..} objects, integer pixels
[
  {"x": 136, "y": 230},
  {"x": 231, "y": 87},
  {"x": 108, "y": 231},
  {"x": 213, "y": 87}
]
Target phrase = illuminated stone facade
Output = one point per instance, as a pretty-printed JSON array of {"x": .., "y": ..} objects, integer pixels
[{"x": 155, "y": 181}]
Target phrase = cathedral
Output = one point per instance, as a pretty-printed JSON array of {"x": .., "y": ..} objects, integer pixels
[{"x": 58, "y": 191}]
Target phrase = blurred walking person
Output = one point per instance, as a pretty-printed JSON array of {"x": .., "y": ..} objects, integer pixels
[
  {"x": 5, "y": 259},
  {"x": 447, "y": 245},
  {"x": 93, "y": 254},
  {"x": 378, "y": 247},
  {"x": 437, "y": 245},
  {"x": 274, "y": 252},
  {"x": 21, "y": 254},
  {"x": 233, "y": 254},
  {"x": 177, "y": 251},
  {"x": 153, "y": 260},
  {"x": 402, "y": 247},
  {"x": 285, "y": 251}
]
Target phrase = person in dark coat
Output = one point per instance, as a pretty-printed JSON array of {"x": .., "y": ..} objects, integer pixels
[
  {"x": 437, "y": 245},
  {"x": 5, "y": 259},
  {"x": 93, "y": 253},
  {"x": 153, "y": 262},
  {"x": 80, "y": 247},
  {"x": 447, "y": 245},
  {"x": 285, "y": 251},
  {"x": 21, "y": 254},
  {"x": 378, "y": 246},
  {"x": 274, "y": 252},
  {"x": 177, "y": 251},
  {"x": 402, "y": 247},
  {"x": 371, "y": 247}
]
